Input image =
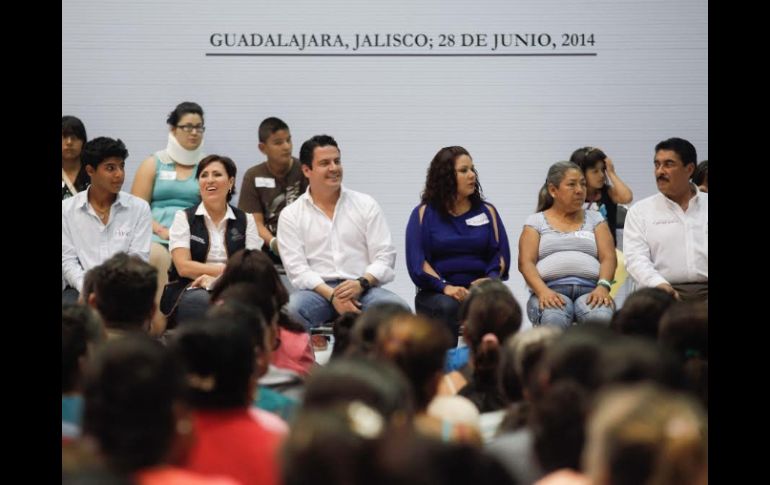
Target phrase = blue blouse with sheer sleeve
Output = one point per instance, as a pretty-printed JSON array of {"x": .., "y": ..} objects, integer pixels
[{"x": 459, "y": 248}]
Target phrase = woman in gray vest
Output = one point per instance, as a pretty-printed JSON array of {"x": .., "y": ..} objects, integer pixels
[
  {"x": 202, "y": 237},
  {"x": 566, "y": 254}
]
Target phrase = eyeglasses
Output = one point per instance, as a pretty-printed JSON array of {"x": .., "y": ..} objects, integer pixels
[{"x": 191, "y": 128}]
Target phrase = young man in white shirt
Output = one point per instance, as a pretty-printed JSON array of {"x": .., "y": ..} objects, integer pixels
[
  {"x": 101, "y": 220},
  {"x": 665, "y": 239},
  {"x": 335, "y": 243}
]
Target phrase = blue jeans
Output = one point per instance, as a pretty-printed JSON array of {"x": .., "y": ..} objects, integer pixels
[
  {"x": 312, "y": 310},
  {"x": 439, "y": 307},
  {"x": 575, "y": 308}
]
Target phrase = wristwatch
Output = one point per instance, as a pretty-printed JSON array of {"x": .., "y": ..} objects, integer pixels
[{"x": 365, "y": 285}]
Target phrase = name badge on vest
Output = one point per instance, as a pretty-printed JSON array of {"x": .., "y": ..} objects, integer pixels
[
  {"x": 265, "y": 182},
  {"x": 478, "y": 220},
  {"x": 197, "y": 239},
  {"x": 167, "y": 175}
]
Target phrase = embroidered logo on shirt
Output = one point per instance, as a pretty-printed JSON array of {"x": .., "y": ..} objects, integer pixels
[
  {"x": 478, "y": 220},
  {"x": 167, "y": 175},
  {"x": 197, "y": 239},
  {"x": 665, "y": 221},
  {"x": 235, "y": 235},
  {"x": 264, "y": 182},
  {"x": 123, "y": 231}
]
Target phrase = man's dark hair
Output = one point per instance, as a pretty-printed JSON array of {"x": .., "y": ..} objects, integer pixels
[
  {"x": 125, "y": 291},
  {"x": 307, "y": 149},
  {"x": 101, "y": 148}
]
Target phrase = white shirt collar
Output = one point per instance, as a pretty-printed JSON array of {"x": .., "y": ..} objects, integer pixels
[
  {"x": 201, "y": 211},
  {"x": 120, "y": 200}
]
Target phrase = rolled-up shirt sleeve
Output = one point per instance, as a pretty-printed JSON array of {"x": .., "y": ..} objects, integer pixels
[
  {"x": 382, "y": 252},
  {"x": 415, "y": 256},
  {"x": 637, "y": 251},
  {"x": 292, "y": 250}
]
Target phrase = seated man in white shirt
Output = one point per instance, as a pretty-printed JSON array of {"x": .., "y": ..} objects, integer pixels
[
  {"x": 335, "y": 243},
  {"x": 101, "y": 220},
  {"x": 665, "y": 238}
]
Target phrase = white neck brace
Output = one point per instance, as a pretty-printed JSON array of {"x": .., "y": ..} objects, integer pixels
[{"x": 181, "y": 155}]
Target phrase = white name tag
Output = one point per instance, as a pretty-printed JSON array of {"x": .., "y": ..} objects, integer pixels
[
  {"x": 478, "y": 220},
  {"x": 167, "y": 175},
  {"x": 266, "y": 182},
  {"x": 585, "y": 235}
]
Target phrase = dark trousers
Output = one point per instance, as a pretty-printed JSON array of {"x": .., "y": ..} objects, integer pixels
[{"x": 440, "y": 307}]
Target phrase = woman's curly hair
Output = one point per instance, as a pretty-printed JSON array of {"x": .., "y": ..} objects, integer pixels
[{"x": 441, "y": 182}]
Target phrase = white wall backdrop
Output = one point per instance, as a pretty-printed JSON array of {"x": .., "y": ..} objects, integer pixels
[{"x": 125, "y": 65}]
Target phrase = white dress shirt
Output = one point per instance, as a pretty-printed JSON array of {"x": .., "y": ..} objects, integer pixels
[
  {"x": 355, "y": 241},
  {"x": 664, "y": 244},
  {"x": 86, "y": 242},
  {"x": 179, "y": 233}
]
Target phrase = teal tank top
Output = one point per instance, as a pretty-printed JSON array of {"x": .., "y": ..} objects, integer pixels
[{"x": 170, "y": 195}]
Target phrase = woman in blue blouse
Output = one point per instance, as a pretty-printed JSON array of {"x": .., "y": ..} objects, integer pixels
[{"x": 454, "y": 239}]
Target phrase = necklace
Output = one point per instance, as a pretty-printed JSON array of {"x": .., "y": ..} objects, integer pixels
[{"x": 101, "y": 213}]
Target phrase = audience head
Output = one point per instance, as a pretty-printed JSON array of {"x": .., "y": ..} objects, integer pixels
[
  {"x": 363, "y": 335},
  {"x": 134, "y": 405},
  {"x": 418, "y": 347},
  {"x": 521, "y": 355},
  {"x": 643, "y": 434},
  {"x": 124, "y": 292},
  {"x": 684, "y": 330},
  {"x": 377, "y": 384},
  {"x": 641, "y": 312},
  {"x": 220, "y": 362},
  {"x": 81, "y": 332}
]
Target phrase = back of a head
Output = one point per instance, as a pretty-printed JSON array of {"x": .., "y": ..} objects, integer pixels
[
  {"x": 124, "y": 288},
  {"x": 334, "y": 445},
  {"x": 254, "y": 267},
  {"x": 684, "y": 329},
  {"x": 130, "y": 391},
  {"x": 489, "y": 309},
  {"x": 418, "y": 347},
  {"x": 341, "y": 329},
  {"x": 558, "y": 426},
  {"x": 80, "y": 326},
  {"x": 220, "y": 363},
  {"x": 378, "y": 384},
  {"x": 639, "y": 435},
  {"x": 576, "y": 354},
  {"x": 363, "y": 335},
  {"x": 631, "y": 359},
  {"x": 521, "y": 354},
  {"x": 352, "y": 445},
  {"x": 641, "y": 312}
]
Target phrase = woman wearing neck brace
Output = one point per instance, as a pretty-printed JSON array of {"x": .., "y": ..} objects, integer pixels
[{"x": 166, "y": 180}]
